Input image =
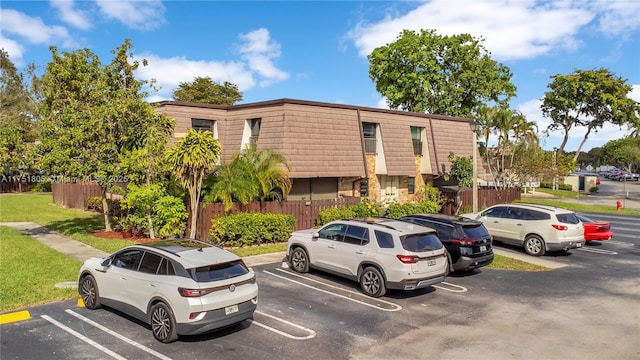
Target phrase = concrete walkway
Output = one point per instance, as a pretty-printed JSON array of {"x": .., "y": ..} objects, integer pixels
[{"x": 82, "y": 251}]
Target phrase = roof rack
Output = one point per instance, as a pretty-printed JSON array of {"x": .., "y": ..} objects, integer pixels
[{"x": 375, "y": 220}]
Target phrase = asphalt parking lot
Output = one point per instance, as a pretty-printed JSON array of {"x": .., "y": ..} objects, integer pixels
[{"x": 589, "y": 309}]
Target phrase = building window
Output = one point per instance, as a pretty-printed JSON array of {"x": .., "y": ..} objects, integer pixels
[
  {"x": 416, "y": 137},
  {"x": 411, "y": 185},
  {"x": 369, "y": 134},
  {"x": 202, "y": 125},
  {"x": 254, "y": 124}
]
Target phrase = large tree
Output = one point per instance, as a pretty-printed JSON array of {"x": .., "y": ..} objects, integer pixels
[
  {"x": 429, "y": 73},
  {"x": 623, "y": 152},
  {"x": 589, "y": 98},
  {"x": 206, "y": 91},
  {"x": 17, "y": 119},
  {"x": 93, "y": 116},
  {"x": 191, "y": 159}
]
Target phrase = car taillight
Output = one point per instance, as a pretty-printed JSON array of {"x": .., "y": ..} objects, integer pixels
[
  {"x": 408, "y": 259},
  {"x": 560, "y": 227},
  {"x": 194, "y": 292},
  {"x": 464, "y": 242}
]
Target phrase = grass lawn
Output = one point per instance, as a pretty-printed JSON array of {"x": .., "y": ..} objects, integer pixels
[
  {"x": 507, "y": 263},
  {"x": 29, "y": 271},
  {"x": 76, "y": 224}
]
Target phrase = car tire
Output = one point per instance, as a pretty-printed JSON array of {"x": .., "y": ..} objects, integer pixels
[
  {"x": 89, "y": 292},
  {"x": 299, "y": 260},
  {"x": 163, "y": 323},
  {"x": 534, "y": 245},
  {"x": 372, "y": 282}
]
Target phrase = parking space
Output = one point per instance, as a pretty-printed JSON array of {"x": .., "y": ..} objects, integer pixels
[{"x": 316, "y": 315}]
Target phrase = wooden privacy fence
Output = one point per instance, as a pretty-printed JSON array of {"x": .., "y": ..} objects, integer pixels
[
  {"x": 486, "y": 198},
  {"x": 305, "y": 212},
  {"x": 74, "y": 195}
]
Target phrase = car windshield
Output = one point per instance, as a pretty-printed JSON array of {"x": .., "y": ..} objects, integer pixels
[
  {"x": 420, "y": 242},
  {"x": 219, "y": 271},
  {"x": 584, "y": 219},
  {"x": 568, "y": 218}
]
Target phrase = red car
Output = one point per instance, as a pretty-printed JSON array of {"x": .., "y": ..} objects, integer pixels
[{"x": 595, "y": 230}]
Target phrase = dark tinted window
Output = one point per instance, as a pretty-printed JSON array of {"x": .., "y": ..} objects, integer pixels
[
  {"x": 475, "y": 231},
  {"x": 166, "y": 268},
  {"x": 385, "y": 240},
  {"x": 569, "y": 218},
  {"x": 150, "y": 263},
  {"x": 220, "y": 271},
  {"x": 128, "y": 259},
  {"x": 332, "y": 232},
  {"x": 536, "y": 215},
  {"x": 445, "y": 232},
  {"x": 496, "y": 212},
  {"x": 421, "y": 242},
  {"x": 356, "y": 235}
]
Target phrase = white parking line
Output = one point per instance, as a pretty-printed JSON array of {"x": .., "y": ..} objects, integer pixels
[
  {"x": 84, "y": 338},
  {"x": 125, "y": 339},
  {"x": 620, "y": 243},
  {"x": 394, "y": 307},
  {"x": 598, "y": 251},
  {"x": 460, "y": 289},
  {"x": 311, "y": 333}
]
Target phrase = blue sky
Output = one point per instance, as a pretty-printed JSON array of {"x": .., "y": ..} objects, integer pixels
[{"x": 317, "y": 50}]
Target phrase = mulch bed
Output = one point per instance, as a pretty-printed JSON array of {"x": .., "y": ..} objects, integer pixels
[{"x": 121, "y": 235}]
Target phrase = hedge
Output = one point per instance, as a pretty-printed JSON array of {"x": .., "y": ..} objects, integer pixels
[{"x": 248, "y": 229}]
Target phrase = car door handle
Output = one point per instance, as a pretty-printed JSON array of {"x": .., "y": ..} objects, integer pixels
[
  {"x": 519, "y": 224},
  {"x": 123, "y": 278},
  {"x": 331, "y": 246},
  {"x": 359, "y": 252},
  {"x": 152, "y": 285}
]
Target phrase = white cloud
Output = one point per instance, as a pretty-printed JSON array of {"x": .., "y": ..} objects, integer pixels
[
  {"x": 32, "y": 29},
  {"x": 136, "y": 14},
  {"x": 259, "y": 50},
  {"x": 513, "y": 29},
  {"x": 14, "y": 49},
  {"x": 71, "y": 15},
  {"x": 617, "y": 17},
  {"x": 635, "y": 93},
  {"x": 169, "y": 72}
]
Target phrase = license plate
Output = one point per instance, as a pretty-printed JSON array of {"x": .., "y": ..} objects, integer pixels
[
  {"x": 579, "y": 245},
  {"x": 483, "y": 248},
  {"x": 431, "y": 262},
  {"x": 230, "y": 309}
]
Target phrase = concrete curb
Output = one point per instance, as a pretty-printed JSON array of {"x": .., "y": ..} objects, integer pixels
[{"x": 541, "y": 261}]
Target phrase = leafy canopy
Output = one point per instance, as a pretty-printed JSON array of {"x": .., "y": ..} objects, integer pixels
[
  {"x": 449, "y": 75},
  {"x": 206, "y": 91}
]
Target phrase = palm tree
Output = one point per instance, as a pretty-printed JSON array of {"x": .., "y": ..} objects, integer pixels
[
  {"x": 191, "y": 159},
  {"x": 270, "y": 170},
  {"x": 233, "y": 182}
]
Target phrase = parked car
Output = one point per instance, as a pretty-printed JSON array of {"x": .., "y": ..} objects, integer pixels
[
  {"x": 467, "y": 241},
  {"x": 378, "y": 253},
  {"x": 538, "y": 228},
  {"x": 178, "y": 286},
  {"x": 595, "y": 230}
]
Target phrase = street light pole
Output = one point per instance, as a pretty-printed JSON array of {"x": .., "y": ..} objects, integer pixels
[{"x": 475, "y": 126}]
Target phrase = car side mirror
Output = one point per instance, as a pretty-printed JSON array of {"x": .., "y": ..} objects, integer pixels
[
  {"x": 315, "y": 235},
  {"x": 106, "y": 262}
]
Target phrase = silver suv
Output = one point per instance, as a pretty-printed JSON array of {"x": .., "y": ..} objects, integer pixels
[
  {"x": 538, "y": 228},
  {"x": 179, "y": 286},
  {"x": 379, "y": 253}
]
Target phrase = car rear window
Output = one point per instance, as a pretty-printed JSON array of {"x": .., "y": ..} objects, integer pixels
[
  {"x": 475, "y": 231},
  {"x": 218, "y": 272},
  {"x": 421, "y": 242},
  {"x": 568, "y": 218}
]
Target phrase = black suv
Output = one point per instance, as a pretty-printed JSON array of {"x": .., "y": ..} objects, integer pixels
[{"x": 468, "y": 242}]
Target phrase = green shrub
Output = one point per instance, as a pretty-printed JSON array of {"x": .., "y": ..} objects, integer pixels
[
  {"x": 397, "y": 210},
  {"x": 247, "y": 229},
  {"x": 594, "y": 189},
  {"x": 366, "y": 209},
  {"x": 334, "y": 213},
  {"x": 94, "y": 203},
  {"x": 168, "y": 213}
]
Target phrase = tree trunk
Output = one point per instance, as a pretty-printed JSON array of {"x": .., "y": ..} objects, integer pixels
[
  {"x": 151, "y": 232},
  {"x": 584, "y": 139},
  {"x": 105, "y": 208},
  {"x": 193, "y": 205}
]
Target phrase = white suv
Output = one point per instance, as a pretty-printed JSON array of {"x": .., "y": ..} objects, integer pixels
[
  {"x": 379, "y": 253},
  {"x": 538, "y": 228},
  {"x": 179, "y": 286}
]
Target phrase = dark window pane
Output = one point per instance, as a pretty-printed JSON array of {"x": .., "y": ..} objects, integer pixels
[
  {"x": 385, "y": 240},
  {"x": 332, "y": 232},
  {"x": 150, "y": 263},
  {"x": 128, "y": 259},
  {"x": 411, "y": 185},
  {"x": 421, "y": 242},
  {"x": 356, "y": 235},
  {"x": 220, "y": 271},
  {"x": 569, "y": 218}
]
